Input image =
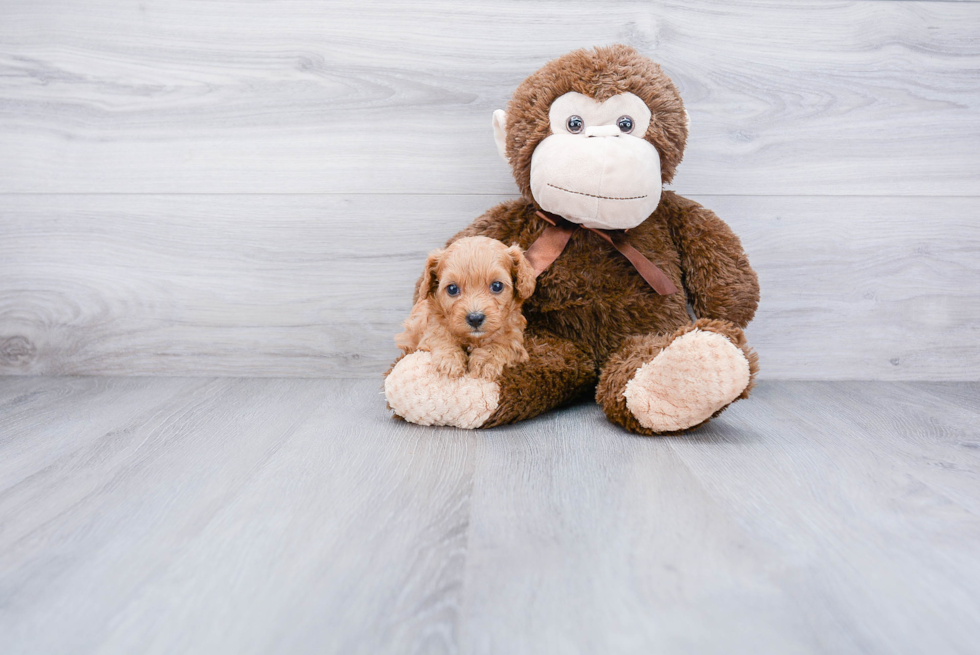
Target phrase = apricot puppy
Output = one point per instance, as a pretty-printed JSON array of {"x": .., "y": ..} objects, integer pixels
[{"x": 468, "y": 312}]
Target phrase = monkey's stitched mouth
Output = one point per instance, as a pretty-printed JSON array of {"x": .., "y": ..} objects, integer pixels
[{"x": 592, "y": 195}]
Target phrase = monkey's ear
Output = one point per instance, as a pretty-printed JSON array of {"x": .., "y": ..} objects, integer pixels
[
  {"x": 500, "y": 133},
  {"x": 430, "y": 276},
  {"x": 687, "y": 121},
  {"x": 522, "y": 272}
]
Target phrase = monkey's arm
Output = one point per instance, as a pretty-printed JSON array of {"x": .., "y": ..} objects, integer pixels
[
  {"x": 717, "y": 276},
  {"x": 555, "y": 372}
]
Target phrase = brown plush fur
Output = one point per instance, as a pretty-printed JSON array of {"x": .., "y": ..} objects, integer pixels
[
  {"x": 438, "y": 322},
  {"x": 592, "y": 313},
  {"x": 562, "y": 371}
]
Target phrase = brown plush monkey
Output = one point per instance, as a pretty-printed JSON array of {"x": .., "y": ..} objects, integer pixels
[{"x": 591, "y": 138}]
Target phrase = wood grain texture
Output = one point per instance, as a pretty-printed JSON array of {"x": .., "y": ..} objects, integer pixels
[
  {"x": 156, "y": 534},
  {"x": 303, "y": 96},
  {"x": 318, "y": 285},
  {"x": 813, "y": 518},
  {"x": 260, "y": 516}
]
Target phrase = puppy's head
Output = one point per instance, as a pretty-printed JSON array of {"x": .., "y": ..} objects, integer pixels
[{"x": 475, "y": 285}]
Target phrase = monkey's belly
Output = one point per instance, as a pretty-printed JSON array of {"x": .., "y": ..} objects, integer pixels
[{"x": 594, "y": 296}]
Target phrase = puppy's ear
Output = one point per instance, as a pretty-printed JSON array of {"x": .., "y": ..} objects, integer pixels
[
  {"x": 430, "y": 276},
  {"x": 522, "y": 272}
]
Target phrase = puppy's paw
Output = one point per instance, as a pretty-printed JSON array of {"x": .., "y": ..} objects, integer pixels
[
  {"x": 450, "y": 363},
  {"x": 484, "y": 365}
]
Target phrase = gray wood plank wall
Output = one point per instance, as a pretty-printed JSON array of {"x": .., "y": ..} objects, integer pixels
[{"x": 240, "y": 188}]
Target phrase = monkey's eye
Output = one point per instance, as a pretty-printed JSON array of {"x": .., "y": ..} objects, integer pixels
[
  {"x": 496, "y": 286},
  {"x": 625, "y": 124},
  {"x": 575, "y": 124},
  {"x": 452, "y": 290}
]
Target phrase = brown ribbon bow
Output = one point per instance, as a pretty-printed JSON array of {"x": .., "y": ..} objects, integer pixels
[{"x": 549, "y": 246}]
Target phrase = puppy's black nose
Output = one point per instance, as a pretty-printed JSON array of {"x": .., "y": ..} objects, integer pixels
[{"x": 475, "y": 319}]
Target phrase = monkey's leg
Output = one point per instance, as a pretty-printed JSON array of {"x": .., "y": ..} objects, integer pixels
[
  {"x": 658, "y": 384},
  {"x": 556, "y": 372}
]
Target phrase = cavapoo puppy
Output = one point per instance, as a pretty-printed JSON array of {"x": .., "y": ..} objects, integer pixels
[{"x": 468, "y": 312}]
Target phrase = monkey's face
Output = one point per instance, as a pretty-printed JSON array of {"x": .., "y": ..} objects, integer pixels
[
  {"x": 593, "y": 136},
  {"x": 595, "y": 168}
]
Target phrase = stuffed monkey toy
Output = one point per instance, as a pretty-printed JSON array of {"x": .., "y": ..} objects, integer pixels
[{"x": 591, "y": 138}]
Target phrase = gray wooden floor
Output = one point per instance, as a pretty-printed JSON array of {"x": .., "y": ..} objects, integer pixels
[{"x": 170, "y": 515}]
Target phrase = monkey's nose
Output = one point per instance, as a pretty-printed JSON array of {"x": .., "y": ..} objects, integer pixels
[
  {"x": 602, "y": 130},
  {"x": 475, "y": 319}
]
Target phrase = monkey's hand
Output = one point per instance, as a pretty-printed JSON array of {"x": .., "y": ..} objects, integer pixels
[{"x": 420, "y": 394}]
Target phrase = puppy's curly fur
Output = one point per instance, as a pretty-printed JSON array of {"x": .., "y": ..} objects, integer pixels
[{"x": 468, "y": 308}]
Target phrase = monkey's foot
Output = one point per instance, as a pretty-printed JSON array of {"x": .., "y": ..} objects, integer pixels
[
  {"x": 419, "y": 394},
  {"x": 696, "y": 375}
]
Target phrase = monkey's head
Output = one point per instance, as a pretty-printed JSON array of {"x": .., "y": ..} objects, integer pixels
[{"x": 593, "y": 135}]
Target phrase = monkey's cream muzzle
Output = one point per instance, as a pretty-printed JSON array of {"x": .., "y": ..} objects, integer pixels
[{"x": 609, "y": 182}]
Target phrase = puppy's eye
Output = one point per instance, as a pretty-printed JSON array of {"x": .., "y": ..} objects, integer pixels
[
  {"x": 452, "y": 290},
  {"x": 575, "y": 124},
  {"x": 625, "y": 124},
  {"x": 496, "y": 286}
]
